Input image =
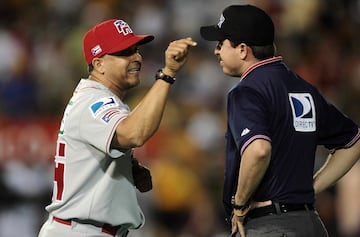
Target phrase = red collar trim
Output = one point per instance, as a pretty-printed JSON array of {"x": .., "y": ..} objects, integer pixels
[{"x": 258, "y": 64}]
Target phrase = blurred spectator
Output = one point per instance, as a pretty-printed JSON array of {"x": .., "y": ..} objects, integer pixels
[{"x": 18, "y": 88}]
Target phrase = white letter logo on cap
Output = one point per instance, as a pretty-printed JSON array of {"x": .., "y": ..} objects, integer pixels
[
  {"x": 221, "y": 21},
  {"x": 122, "y": 27}
]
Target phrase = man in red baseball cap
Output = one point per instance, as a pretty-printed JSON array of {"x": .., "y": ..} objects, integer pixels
[
  {"x": 110, "y": 37},
  {"x": 95, "y": 171}
]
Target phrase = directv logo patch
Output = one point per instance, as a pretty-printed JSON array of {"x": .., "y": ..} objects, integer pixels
[
  {"x": 101, "y": 105},
  {"x": 303, "y": 110}
]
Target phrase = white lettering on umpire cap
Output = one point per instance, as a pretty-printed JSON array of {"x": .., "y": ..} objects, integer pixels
[
  {"x": 221, "y": 20},
  {"x": 122, "y": 27},
  {"x": 303, "y": 110}
]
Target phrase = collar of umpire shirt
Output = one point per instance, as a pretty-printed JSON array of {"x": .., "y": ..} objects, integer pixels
[{"x": 260, "y": 63}]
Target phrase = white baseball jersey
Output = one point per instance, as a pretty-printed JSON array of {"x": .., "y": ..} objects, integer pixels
[{"x": 93, "y": 181}]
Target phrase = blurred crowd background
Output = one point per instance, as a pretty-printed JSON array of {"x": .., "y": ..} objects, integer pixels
[{"x": 41, "y": 62}]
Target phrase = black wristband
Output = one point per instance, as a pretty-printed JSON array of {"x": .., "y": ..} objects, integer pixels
[
  {"x": 239, "y": 207},
  {"x": 160, "y": 75}
]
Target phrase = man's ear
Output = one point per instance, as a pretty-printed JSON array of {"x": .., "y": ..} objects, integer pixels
[
  {"x": 98, "y": 65},
  {"x": 243, "y": 50}
]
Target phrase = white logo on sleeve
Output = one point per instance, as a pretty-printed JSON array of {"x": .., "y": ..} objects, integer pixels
[
  {"x": 245, "y": 131},
  {"x": 303, "y": 110}
]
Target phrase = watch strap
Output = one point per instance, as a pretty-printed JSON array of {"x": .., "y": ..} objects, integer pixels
[
  {"x": 162, "y": 76},
  {"x": 239, "y": 207}
]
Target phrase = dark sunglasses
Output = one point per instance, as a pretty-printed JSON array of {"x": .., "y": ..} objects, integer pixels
[
  {"x": 219, "y": 44},
  {"x": 126, "y": 52}
]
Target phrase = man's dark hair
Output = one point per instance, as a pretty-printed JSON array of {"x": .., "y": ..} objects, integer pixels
[
  {"x": 263, "y": 52},
  {"x": 260, "y": 52},
  {"x": 90, "y": 67}
]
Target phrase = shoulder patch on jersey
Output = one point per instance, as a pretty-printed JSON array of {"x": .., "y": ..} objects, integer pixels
[
  {"x": 108, "y": 115},
  {"x": 101, "y": 105},
  {"x": 303, "y": 110}
]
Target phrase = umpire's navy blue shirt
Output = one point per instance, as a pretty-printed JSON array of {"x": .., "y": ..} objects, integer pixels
[{"x": 271, "y": 102}]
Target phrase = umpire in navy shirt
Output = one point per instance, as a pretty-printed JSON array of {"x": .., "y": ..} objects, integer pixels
[{"x": 276, "y": 120}]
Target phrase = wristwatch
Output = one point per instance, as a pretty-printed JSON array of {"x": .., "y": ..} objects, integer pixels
[
  {"x": 239, "y": 207},
  {"x": 240, "y": 210},
  {"x": 161, "y": 75}
]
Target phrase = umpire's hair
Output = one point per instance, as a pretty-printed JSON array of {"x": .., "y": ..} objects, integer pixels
[
  {"x": 90, "y": 67},
  {"x": 263, "y": 52},
  {"x": 260, "y": 52}
]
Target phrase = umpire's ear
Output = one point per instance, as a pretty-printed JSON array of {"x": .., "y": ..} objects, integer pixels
[{"x": 243, "y": 50}]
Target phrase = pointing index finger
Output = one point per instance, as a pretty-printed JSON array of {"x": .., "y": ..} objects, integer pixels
[
  {"x": 190, "y": 41},
  {"x": 185, "y": 41}
]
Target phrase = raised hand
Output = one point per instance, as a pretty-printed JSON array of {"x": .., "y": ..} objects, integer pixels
[{"x": 176, "y": 55}]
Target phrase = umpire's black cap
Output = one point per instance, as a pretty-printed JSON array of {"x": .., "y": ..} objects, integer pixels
[{"x": 241, "y": 24}]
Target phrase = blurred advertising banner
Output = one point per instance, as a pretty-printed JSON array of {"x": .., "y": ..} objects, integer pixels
[{"x": 28, "y": 138}]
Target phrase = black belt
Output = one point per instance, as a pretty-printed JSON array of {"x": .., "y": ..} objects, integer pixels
[{"x": 278, "y": 209}]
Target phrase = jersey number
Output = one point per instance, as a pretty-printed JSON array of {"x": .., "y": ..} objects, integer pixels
[
  {"x": 59, "y": 172},
  {"x": 59, "y": 180}
]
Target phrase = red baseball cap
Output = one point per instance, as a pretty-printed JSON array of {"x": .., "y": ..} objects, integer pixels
[{"x": 110, "y": 36}]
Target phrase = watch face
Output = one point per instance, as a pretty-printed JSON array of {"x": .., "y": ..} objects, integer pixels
[{"x": 160, "y": 75}]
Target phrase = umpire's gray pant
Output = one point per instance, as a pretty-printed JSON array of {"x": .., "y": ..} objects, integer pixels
[{"x": 291, "y": 224}]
